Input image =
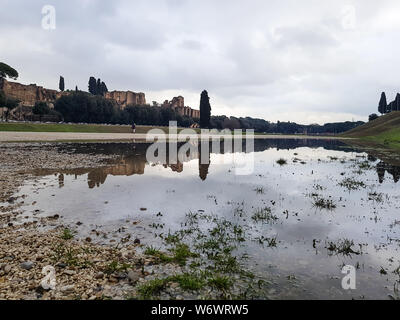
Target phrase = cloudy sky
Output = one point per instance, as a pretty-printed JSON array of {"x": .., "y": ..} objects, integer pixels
[{"x": 308, "y": 61}]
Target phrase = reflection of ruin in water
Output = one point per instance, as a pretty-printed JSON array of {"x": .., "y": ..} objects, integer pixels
[{"x": 132, "y": 158}]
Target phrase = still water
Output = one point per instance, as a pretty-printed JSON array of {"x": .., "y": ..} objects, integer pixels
[{"x": 298, "y": 216}]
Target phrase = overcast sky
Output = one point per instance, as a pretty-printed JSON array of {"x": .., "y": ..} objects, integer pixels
[{"x": 308, "y": 61}]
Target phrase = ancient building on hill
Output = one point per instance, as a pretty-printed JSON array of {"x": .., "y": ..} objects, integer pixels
[
  {"x": 178, "y": 104},
  {"x": 28, "y": 95},
  {"x": 125, "y": 98}
]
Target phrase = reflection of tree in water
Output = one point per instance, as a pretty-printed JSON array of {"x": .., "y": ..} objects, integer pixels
[
  {"x": 60, "y": 180},
  {"x": 96, "y": 177},
  {"x": 203, "y": 167},
  {"x": 383, "y": 167},
  {"x": 133, "y": 157}
]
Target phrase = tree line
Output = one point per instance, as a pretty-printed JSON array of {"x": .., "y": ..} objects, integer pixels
[
  {"x": 384, "y": 107},
  {"x": 83, "y": 107}
]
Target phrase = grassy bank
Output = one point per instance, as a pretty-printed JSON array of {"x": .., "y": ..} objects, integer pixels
[
  {"x": 384, "y": 131},
  {"x": 390, "y": 138},
  {"x": 77, "y": 128}
]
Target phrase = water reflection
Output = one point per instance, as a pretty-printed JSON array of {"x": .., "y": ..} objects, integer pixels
[
  {"x": 383, "y": 167},
  {"x": 132, "y": 158},
  {"x": 288, "y": 235}
]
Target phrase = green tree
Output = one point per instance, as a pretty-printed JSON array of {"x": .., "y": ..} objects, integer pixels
[
  {"x": 9, "y": 104},
  {"x": 7, "y": 71},
  {"x": 396, "y": 105},
  {"x": 205, "y": 110},
  {"x": 373, "y": 117},
  {"x": 61, "y": 84},
  {"x": 382, "y": 104},
  {"x": 41, "y": 108},
  {"x": 93, "y": 85},
  {"x": 103, "y": 88}
]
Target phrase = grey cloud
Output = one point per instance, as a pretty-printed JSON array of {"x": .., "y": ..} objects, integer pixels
[{"x": 269, "y": 59}]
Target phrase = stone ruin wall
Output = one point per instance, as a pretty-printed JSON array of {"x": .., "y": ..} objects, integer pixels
[
  {"x": 178, "y": 104},
  {"x": 28, "y": 95},
  {"x": 125, "y": 98}
]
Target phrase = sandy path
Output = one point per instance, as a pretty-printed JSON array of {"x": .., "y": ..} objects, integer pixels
[{"x": 6, "y": 136}]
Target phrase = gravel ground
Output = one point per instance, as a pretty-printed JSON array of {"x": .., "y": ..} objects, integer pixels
[{"x": 83, "y": 270}]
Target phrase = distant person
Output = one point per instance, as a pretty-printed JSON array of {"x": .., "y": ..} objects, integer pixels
[{"x": 133, "y": 127}]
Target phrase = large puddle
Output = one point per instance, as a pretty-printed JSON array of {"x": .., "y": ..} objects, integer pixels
[{"x": 329, "y": 206}]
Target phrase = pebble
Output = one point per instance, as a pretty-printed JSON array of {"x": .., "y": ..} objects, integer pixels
[
  {"x": 27, "y": 265},
  {"x": 67, "y": 289},
  {"x": 70, "y": 272},
  {"x": 7, "y": 269},
  {"x": 133, "y": 276}
]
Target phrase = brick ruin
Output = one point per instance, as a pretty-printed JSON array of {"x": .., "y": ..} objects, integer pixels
[
  {"x": 28, "y": 95},
  {"x": 125, "y": 98},
  {"x": 178, "y": 104}
]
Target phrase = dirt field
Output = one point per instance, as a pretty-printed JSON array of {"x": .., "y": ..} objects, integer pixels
[{"x": 6, "y": 136}]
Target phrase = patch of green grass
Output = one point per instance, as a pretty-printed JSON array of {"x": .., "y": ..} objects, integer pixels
[
  {"x": 375, "y": 196},
  {"x": 271, "y": 241},
  {"x": 322, "y": 203},
  {"x": 181, "y": 253},
  {"x": 343, "y": 247},
  {"x": 82, "y": 128},
  {"x": 264, "y": 214},
  {"x": 152, "y": 288},
  {"x": 188, "y": 281},
  {"x": 352, "y": 184},
  {"x": 70, "y": 256},
  {"x": 115, "y": 266},
  {"x": 259, "y": 190},
  {"x": 222, "y": 283},
  {"x": 67, "y": 234}
]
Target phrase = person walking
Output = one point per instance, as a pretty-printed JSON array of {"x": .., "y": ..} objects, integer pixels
[{"x": 133, "y": 127}]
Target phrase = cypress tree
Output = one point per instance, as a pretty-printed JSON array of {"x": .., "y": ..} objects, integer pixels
[
  {"x": 98, "y": 86},
  {"x": 103, "y": 88},
  {"x": 396, "y": 106},
  {"x": 61, "y": 84},
  {"x": 382, "y": 103},
  {"x": 205, "y": 110},
  {"x": 92, "y": 85}
]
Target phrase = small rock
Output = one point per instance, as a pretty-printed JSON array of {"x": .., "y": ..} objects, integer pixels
[
  {"x": 99, "y": 275},
  {"x": 121, "y": 275},
  {"x": 27, "y": 265},
  {"x": 137, "y": 241},
  {"x": 70, "y": 272},
  {"x": 67, "y": 289},
  {"x": 7, "y": 269},
  {"x": 112, "y": 279},
  {"x": 133, "y": 276}
]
